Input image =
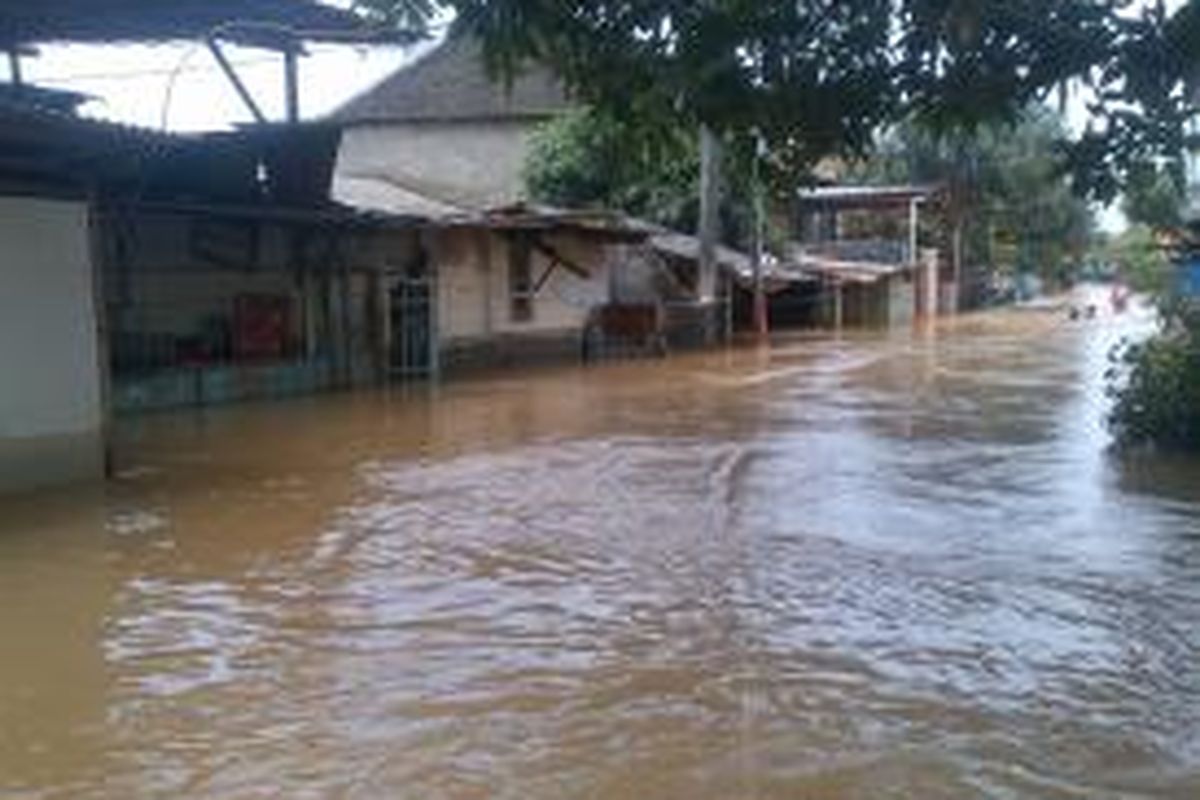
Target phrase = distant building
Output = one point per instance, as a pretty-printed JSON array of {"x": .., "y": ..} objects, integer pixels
[
  {"x": 444, "y": 139},
  {"x": 442, "y": 135},
  {"x": 863, "y": 243}
]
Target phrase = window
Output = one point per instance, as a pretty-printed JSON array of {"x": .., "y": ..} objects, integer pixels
[{"x": 520, "y": 279}]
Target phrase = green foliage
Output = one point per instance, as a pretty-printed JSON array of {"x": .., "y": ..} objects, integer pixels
[
  {"x": 1141, "y": 261},
  {"x": 1156, "y": 391},
  {"x": 1005, "y": 186},
  {"x": 1141, "y": 86},
  {"x": 589, "y": 159},
  {"x": 819, "y": 78},
  {"x": 1154, "y": 197}
]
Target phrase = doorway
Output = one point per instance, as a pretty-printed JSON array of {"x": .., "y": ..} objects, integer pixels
[{"x": 411, "y": 343}]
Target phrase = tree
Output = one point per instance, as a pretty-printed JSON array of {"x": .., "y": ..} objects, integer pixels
[
  {"x": 1008, "y": 201},
  {"x": 814, "y": 77},
  {"x": 586, "y": 158},
  {"x": 1141, "y": 260},
  {"x": 1153, "y": 197}
]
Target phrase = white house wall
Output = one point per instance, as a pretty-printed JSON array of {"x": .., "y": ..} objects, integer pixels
[
  {"x": 50, "y": 380},
  {"x": 475, "y": 165},
  {"x": 473, "y": 282}
]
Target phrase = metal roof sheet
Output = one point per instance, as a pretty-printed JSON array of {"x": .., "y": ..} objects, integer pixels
[{"x": 250, "y": 21}]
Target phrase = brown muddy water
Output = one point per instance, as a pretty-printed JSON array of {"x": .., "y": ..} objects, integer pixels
[{"x": 863, "y": 567}]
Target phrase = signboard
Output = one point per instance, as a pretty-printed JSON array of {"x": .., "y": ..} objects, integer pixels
[{"x": 1189, "y": 276}]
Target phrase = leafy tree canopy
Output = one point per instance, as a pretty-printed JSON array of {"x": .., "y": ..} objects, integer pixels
[
  {"x": 589, "y": 158},
  {"x": 821, "y": 77},
  {"x": 1005, "y": 187},
  {"x": 1153, "y": 197}
]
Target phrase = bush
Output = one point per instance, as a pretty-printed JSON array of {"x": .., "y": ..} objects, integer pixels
[{"x": 1156, "y": 389}]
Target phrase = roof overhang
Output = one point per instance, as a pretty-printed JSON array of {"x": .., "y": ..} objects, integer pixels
[
  {"x": 276, "y": 24},
  {"x": 851, "y": 198},
  {"x": 603, "y": 226},
  {"x": 851, "y": 271}
]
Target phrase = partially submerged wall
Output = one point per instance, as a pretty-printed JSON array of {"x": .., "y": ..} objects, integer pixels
[
  {"x": 50, "y": 380},
  {"x": 477, "y": 326},
  {"x": 181, "y": 289}
]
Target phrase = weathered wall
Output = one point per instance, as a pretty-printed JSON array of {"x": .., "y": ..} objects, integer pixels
[
  {"x": 474, "y": 307},
  {"x": 50, "y": 381},
  {"x": 162, "y": 292},
  {"x": 471, "y": 164}
]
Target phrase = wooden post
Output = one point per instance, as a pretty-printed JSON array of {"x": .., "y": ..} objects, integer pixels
[
  {"x": 914, "y": 225},
  {"x": 14, "y": 67},
  {"x": 235, "y": 80},
  {"x": 291, "y": 83},
  {"x": 762, "y": 325},
  {"x": 838, "y": 311},
  {"x": 956, "y": 256}
]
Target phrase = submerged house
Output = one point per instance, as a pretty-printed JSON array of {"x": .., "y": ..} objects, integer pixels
[
  {"x": 863, "y": 245},
  {"x": 142, "y": 270},
  {"x": 443, "y": 139},
  {"x": 189, "y": 270}
]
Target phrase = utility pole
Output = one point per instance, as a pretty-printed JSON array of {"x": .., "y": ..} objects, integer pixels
[
  {"x": 1192, "y": 157},
  {"x": 14, "y": 67},
  {"x": 291, "y": 82},
  {"x": 710, "y": 212},
  {"x": 762, "y": 324}
]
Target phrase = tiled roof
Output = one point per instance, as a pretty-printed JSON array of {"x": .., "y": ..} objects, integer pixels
[{"x": 452, "y": 83}]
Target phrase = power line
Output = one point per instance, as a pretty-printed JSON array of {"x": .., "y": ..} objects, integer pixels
[
  {"x": 165, "y": 71},
  {"x": 143, "y": 72}
]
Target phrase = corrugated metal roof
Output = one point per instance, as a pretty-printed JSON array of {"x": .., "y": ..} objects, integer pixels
[
  {"x": 106, "y": 21},
  {"x": 383, "y": 195},
  {"x": 451, "y": 83}
]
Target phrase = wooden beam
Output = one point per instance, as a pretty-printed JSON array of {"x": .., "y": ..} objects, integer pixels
[
  {"x": 14, "y": 68},
  {"x": 556, "y": 260},
  {"x": 291, "y": 84},
  {"x": 235, "y": 79}
]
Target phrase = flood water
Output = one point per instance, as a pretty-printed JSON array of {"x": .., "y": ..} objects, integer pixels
[{"x": 857, "y": 567}]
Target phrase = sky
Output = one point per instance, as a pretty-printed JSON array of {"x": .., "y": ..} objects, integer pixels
[{"x": 180, "y": 87}]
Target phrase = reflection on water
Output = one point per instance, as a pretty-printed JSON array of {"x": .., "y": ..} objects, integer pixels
[{"x": 847, "y": 568}]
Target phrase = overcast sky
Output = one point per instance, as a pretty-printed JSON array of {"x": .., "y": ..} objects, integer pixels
[{"x": 179, "y": 87}]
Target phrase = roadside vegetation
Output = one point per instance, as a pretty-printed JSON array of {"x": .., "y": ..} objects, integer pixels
[
  {"x": 589, "y": 158},
  {"x": 1155, "y": 384},
  {"x": 1156, "y": 390}
]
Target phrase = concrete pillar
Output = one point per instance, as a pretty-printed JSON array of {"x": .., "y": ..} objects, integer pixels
[
  {"x": 929, "y": 281},
  {"x": 51, "y": 396}
]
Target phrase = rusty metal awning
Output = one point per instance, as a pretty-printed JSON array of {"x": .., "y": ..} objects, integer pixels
[
  {"x": 850, "y": 271},
  {"x": 605, "y": 226}
]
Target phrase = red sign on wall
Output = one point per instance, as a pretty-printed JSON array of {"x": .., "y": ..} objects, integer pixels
[{"x": 261, "y": 326}]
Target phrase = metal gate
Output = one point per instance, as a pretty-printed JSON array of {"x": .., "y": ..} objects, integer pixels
[{"x": 412, "y": 347}]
